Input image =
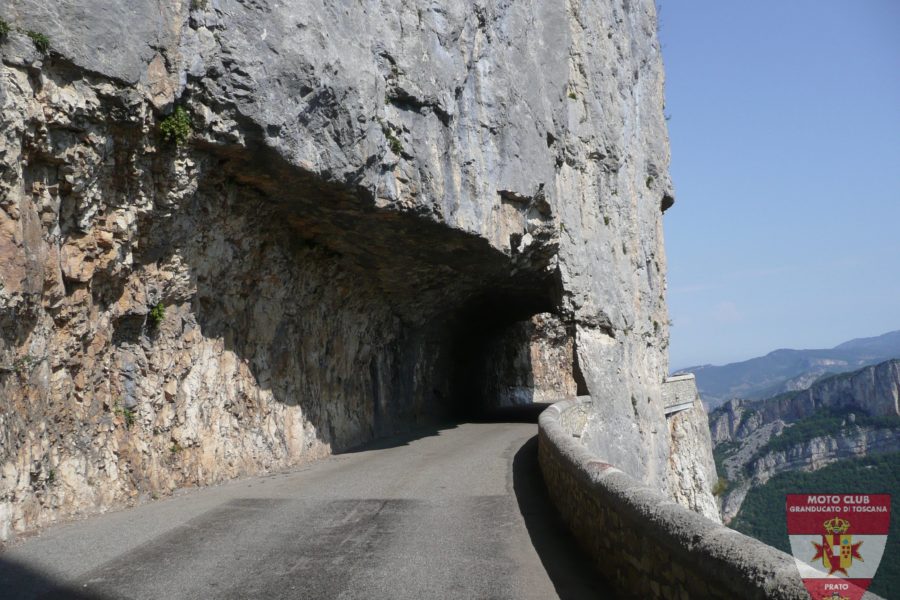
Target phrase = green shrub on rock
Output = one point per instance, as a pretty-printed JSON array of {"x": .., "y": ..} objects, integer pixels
[
  {"x": 177, "y": 127},
  {"x": 41, "y": 42},
  {"x": 157, "y": 314}
]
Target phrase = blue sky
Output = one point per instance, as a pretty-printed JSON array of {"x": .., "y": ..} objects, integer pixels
[{"x": 785, "y": 134}]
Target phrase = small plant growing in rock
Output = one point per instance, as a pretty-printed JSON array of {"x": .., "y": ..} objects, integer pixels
[
  {"x": 606, "y": 221},
  {"x": 41, "y": 42},
  {"x": 393, "y": 141},
  {"x": 4, "y": 28},
  {"x": 127, "y": 414},
  {"x": 649, "y": 182},
  {"x": 720, "y": 487},
  {"x": 175, "y": 448},
  {"x": 177, "y": 127},
  {"x": 572, "y": 95},
  {"x": 199, "y": 4},
  {"x": 24, "y": 364},
  {"x": 156, "y": 316}
]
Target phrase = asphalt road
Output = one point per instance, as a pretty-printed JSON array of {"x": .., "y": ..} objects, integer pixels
[{"x": 455, "y": 512}]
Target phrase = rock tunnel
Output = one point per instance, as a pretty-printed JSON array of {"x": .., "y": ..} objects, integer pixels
[
  {"x": 232, "y": 312},
  {"x": 354, "y": 239},
  {"x": 462, "y": 312}
]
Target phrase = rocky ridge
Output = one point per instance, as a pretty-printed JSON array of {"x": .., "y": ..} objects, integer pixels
[
  {"x": 746, "y": 469},
  {"x": 787, "y": 370},
  {"x": 871, "y": 390}
]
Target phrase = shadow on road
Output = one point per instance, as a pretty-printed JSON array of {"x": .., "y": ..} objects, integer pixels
[
  {"x": 18, "y": 582},
  {"x": 526, "y": 413},
  {"x": 400, "y": 439},
  {"x": 572, "y": 573},
  {"x": 511, "y": 414}
]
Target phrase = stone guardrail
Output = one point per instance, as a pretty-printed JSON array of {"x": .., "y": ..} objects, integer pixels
[{"x": 645, "y": 544}]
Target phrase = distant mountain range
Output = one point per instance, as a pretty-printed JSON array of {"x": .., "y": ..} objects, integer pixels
[{"x": 788, "y": 370}]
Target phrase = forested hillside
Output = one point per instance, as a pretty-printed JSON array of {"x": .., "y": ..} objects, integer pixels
[{"x": 762, "y": 514}]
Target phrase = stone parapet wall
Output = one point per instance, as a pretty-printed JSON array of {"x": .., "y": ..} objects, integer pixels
[{"x": 645, "y": 544}]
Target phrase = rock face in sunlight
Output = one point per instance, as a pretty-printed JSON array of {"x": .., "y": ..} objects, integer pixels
[
  {"x": 304, "y": 254},
  {"x": 692, "y": 469},
  {"x": 530, "y": 361}
]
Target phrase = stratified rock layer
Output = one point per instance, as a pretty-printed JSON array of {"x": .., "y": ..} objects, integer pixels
[
  {"x": 364, "y": 186},
  {"x": 873, "y": 390}
]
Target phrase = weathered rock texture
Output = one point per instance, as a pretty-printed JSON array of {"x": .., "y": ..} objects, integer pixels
[
  {"x": 530, "y": 361},
  {"x": 692, "y": 470},
  {"x": 366, "y": 185}
]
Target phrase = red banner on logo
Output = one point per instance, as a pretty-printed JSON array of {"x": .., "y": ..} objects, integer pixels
[{"x": 837, "y": 541}]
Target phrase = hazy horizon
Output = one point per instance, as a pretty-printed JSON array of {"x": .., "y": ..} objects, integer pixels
[{"x": 677, "y": 368}]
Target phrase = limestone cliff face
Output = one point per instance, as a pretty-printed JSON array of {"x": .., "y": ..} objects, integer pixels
[
  {"x": 873, "y": 390},
  {"x": 530, "y": 361},
  {"x": 692, "y": 470},
  {"x": 365, "y": 185},
  {"x": 822, "y": 451}
]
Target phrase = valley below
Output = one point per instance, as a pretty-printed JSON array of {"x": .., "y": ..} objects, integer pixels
[{"x": 839, "y": 435}]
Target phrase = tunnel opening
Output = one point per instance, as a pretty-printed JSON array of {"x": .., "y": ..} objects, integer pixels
[
  {"x": 508, "y": 350},
  {"x": 423, "y": 315}
]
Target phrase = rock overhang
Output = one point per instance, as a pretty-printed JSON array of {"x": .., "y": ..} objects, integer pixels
[{"x": 448, "y": 160}]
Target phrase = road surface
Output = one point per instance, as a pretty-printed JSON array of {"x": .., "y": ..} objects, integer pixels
[{"x": 454, "y": 512}]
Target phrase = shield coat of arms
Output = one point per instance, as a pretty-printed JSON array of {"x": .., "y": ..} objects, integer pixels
[{"x": 837, "y": 541}]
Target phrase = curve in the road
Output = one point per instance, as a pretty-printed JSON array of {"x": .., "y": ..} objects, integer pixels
[{"x": 455, "y": 512}]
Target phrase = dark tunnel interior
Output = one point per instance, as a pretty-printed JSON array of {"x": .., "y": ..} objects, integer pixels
[{"x": 476, "y": 325}]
